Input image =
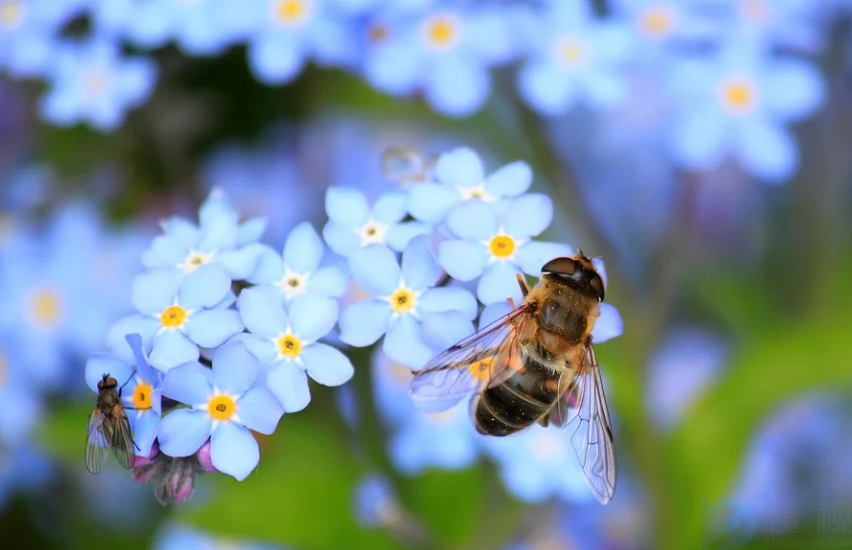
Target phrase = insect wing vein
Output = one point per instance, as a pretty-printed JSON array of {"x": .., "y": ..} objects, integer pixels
[{"x": 97, "y": 442}]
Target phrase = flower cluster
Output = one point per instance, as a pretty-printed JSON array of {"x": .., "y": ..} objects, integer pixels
[
  {"x": 229, "y": 332},
  {"x": 731, "y": 93}
]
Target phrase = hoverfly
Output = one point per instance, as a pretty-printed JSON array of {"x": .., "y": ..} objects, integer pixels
[
  {"x": 536, "y": 364},
  {"x": 109, "y": 428}
]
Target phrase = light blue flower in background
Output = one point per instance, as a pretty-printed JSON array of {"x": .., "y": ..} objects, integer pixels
[
  {"x": 496, "y": 244},
  {"x": 288, "y": 33},
  {"x": 225, "y": 403},
  {"x": 299, "y": 271},
  {"x": 28, "y": 32},
  {"x": 177, "y": 537},
  {"x": 739, "y": 103},
  {"x": 460, "y": 176},
  {"x": 23, "y": 468},
  {"x": 353, "y": 224},
  {"x": 218, "y": 239},
  {"x": 92, "y": 82},
  {"x": 375, "y": 503},
  {"x": 178, "y": 316},
  {"x": 446, "y": 53},
  {"x": 288, "y": 341},
  {"x": 22, "y": 408},
  {"x": 575, "y": 58},
  {"x": 404, "y": 297}
]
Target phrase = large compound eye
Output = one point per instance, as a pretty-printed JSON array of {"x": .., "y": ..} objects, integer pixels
[
  {"x": 560, "y": 266},
  {"x": 597, "y": 285}
]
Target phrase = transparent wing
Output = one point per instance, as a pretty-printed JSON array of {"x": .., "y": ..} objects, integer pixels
[
  {"x": 97, "y": 442},
  {"x": 122, "y": 441},
  {"x": 484, "y": 359},
  {"x": 403, "y": 165},
  {"x": 584, "y": 413}
]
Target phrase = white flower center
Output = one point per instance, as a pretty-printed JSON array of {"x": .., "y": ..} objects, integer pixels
[
  {"x": 373, "y": 232},
  {"x": 194, "y": 260},
  {"x": 292, "y": 284},
  {"x": 570, "y": 52},
  {"x": 11, "y": 13},
  {"x": 477, "y": 192}
]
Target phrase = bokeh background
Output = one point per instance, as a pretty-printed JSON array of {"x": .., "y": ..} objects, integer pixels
[{"x": 701, "y": 148}]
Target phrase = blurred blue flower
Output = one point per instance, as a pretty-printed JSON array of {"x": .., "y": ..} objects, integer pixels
[
  {"x": 299, "y": 271},
  {"x": 288, "y": 341},
  {"x": 22, "y": 468},
  {"x": 178, "y": 537},
  {"x": 28, "y": 32},
  {"x": 179, "y": 315},
  {"x": 460, "y": 176},
  {"x": 92, "y": 82},
  {"x": 403, "y": 299},
  {"x": 289, "y": 32},
  {"x": 739, "y": 103},
  {"x": 574, "y": 58},
  {"x": 353, "y": 224},
  {"x": 496, "y": 244},
  {"x": 374, "y": 501},
  {"x": 225, "y": 403},
  {"x": 22, "y": 408},
  {"x": 218, "y": 239},
  {"x": 446, "y": 53}
]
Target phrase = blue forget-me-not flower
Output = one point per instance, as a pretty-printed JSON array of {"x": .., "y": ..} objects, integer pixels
[{"x": 225, "y": 403}]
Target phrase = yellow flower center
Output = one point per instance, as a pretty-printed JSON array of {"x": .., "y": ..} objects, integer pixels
[
  {"x": 481, "y": 370},
  {"x": 657, "y": 21},
  {"x": 173, "y": 317},
  {"x": 403, "y": 300},
  {"x": 142, "y": 396},
  {"x": 289, "y": 346},
  {"x": 442, "y": 31},
  {"x": 194, "y": 260},
  {"x": 46, "y": 307},
  {"x": 502, "y": 246},
  {"x": 222, "y": 407},
  {"x": 739, "y": 95},
  {"x": 11, "y": 13},
  {"x": 570, "y": 51},
  {"x": 291, "y": 12},
  {"x": 478, "y": 192}
]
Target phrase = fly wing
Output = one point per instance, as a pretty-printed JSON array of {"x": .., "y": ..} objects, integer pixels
[
  {"x": 485, "y": 359},
  {"x": 584, "y": 413},
  {"x": 122, "y": 442},
  {"x": 98, "y": 442}
]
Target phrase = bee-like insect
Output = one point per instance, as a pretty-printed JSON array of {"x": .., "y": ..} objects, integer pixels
[
  {"x": 109, "y": 428},
  {"x": 536, "y": 364}
]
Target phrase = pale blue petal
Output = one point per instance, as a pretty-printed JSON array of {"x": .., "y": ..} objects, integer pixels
[
  {"x": 792, "y": 89},
  {"x": 303, "y": 249},
  {"x": 342, "y": 239},
  {"x": 401, "y": 234},
  {"x": 459, "y": 168},
  {"x": 608, "y": 325},
  {"x": 605, "y": 89},
  {"x": 259, "y": 410},
  {"x": 210, "y": 328},
  {"x": 172, "y": 348},
  {"x": 139, "y": 324},
  {"x": 699, "y": 139},
  {"x": 547, "y": 89},
  {"x": 473, "y": 220},
  {"x": 275, "y": 61},
  {"x": 404, "y": 343},
  {"x": 347, "y": 206},
  {"x": 235, "y": 369},
  {"x": 251, "y": 231},
  {"x": 375, "y": 269},
  {"x": 394, "y": 68},
  {"x": 327, "y": 365},
  {"x": 430, "y": 202},
  {"x": 220, "y": 233},
  {"x": 265, "y": 350},
  {"x": 154, "y": 291},
  {"x": 183, "y": 432},
  {"x": 99, "y": 364},
  {"x": 288, "y": 382},
  {"x": 510, "y": 180},
  {"x": 261, "y": 311},
  {"x": 313, "y": 316},
  {"x": 528, "y": 216},
  {"x": 767, "y": 150},
  {"x": 145, "y": 430},
  {"x": 442, "y": 330},
  {"x": 362, "y": 323},
  {"x": 165, "y": 251},
  {"x": 330, "y": 281},
  {"x": 498, "y": 282},
  {"x": 190, "y": 384},
  {"x": 205, "y": 287},
  {"x": 533, "y": 255},
  {"x": 419, "y": 269},
  {"x": 463, "y": 260},
  {"x": 496, "y": 311},
  {"x": 390, "y": 208},
  {"x": 457, "y": 86},
  {"x": 183, "y": 230},
  {"x": 242, "y": 262},
  {"x": 269, "y": 269},
  {"x": 436, "y": 300},
  {"x": 233, "y": 450}
]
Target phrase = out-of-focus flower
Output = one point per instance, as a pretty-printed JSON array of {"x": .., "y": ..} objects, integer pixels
[
  {"x": 496, "y": 244},
  {"x": 574, "y": 58},
  {"x": 446, "y": 53},
  {"x": 225, "y": 403},
  {"x": 460, "y": 176},
  {"x": 177, "y": 537},
  {"x": 403, "y": 298},
  {"x": 299, "y": 271},
  {"x": 738, "y": 104},
  {"x": 353, "y": 224},
  {"x": 92, "y": 82},
  {"x": 288, "y": 341},
  {"x": 22, "y": 468},
  {"x": 22, "y": 406},
  {"x": 218, "y": 239},
  {"x": 28, "y": 31}
]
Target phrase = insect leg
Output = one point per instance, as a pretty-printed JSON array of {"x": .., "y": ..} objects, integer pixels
[{"x": 525, "y": 289}]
